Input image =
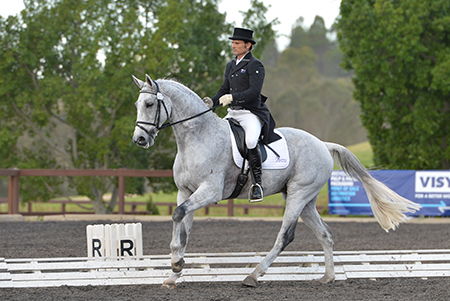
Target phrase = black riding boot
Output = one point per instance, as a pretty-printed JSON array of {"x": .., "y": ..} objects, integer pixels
[{"x": 254, "y": 158}]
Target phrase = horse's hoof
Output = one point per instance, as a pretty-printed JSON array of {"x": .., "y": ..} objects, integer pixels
[
  {"x": 178, "y": 267},
  {"x": 250, "y": 281},
  {"x": 169, "y": 284},
  {"x": 326, "y": 279}
]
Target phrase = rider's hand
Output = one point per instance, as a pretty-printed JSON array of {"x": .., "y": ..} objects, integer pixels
[
  {"x": 208, "y": 101},
  {"x": 226, "y": 100}
]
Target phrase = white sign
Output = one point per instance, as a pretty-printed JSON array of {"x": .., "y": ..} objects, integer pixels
[{"x": 433, "y": 181}]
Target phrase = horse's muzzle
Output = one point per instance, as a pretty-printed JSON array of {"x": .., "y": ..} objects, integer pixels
[
  {"x": 143, "y": 141},
  {"x": 143, "y": 138}
]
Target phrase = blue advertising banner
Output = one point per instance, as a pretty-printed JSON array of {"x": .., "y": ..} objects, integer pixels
[{"x": 430, "y": 189}]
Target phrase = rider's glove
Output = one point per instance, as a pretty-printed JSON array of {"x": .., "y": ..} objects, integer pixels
[
  {"x": 208, "y": 101},
  {"x": 226, "y": 100}
]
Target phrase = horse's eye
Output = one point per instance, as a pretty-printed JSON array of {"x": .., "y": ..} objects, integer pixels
[{"x": 148, "y": 105}]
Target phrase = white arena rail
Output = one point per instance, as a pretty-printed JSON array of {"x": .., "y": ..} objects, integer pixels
[{"x": 220, "y": 267}]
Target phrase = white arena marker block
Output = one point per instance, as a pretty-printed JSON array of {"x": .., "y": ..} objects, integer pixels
[
  {"x": 95, "y": 240},
  {"x": 114, "y": 240}
]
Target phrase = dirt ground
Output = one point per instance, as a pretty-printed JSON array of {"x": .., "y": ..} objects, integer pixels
[{"x": 68, "y": 239}]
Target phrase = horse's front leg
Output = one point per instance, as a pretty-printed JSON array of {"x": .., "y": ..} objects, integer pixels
[
  {"x": 178, "y": 245},
  {"x": 180, "y": 234},
  {"x": 183, "y": 217}
]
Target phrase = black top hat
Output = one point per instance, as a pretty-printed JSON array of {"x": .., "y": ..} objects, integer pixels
[{"x": 243, "y": 34}]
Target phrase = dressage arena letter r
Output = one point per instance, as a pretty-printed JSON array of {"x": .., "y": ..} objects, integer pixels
[
  {"x": 129, "y": 249},
  {"x": 126, "y": 246},
  {"x": 96, "y": 246}
]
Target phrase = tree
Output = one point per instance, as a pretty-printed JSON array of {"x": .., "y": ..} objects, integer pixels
[
  {"x": 306, "y": 100},
  {"x": 299, "y": 36},
  {"x": 66, "y": 90},
  {"x": 318, "y": 40},
  {"x": 399, "y": 52},
  {"x": 303, "y": 96},
  {"x": 255, "y": 19},
  {"x": 327, "y": 51},
  {"x": 271, "y": 54}
]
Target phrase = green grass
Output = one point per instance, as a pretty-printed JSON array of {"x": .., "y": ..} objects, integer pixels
[
  {"x": 163, "y": 210},
  {"x": 223, "y": 211},
  {"x": 362, "y": 150}
]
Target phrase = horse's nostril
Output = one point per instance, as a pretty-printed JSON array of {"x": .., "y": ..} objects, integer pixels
[{"x": 140, "y": 141}]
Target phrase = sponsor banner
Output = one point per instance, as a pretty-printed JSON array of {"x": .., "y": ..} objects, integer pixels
[{"x": 430, "y": 189}]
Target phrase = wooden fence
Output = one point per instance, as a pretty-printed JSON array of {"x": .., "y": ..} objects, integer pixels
[{"x": 14, "y": 182}]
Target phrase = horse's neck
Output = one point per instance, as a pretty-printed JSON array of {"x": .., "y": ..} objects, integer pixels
[{"x": 186, "y": 104}]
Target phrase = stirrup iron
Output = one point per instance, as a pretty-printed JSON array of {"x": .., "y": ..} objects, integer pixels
[{"x": 250, "y": 194}]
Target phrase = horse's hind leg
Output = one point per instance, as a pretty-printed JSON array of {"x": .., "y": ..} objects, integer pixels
[
  {"x": 284, "y": 238},
  {"x": 312, "y": 219}
]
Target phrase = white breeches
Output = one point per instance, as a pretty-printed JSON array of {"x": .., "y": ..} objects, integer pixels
[{"x": 250, "y": 122}]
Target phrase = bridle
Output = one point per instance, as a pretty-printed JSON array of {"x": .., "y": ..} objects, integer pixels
[{"x": 161, "y": 103}]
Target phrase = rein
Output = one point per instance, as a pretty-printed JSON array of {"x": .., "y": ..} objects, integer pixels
[{"x": 160, "y": 98}]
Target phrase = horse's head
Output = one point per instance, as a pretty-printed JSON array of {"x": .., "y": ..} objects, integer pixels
[{"x": 153, "y": 109}]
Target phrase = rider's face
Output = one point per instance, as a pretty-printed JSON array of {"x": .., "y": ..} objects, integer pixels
[{"x": 240, "y": 48}]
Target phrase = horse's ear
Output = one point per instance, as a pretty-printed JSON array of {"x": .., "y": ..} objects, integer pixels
[
  {"x": 148, "y": 80},
  {"x": 138, "y": 82}
]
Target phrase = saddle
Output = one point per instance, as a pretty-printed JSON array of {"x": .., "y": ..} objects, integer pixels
[{"x": 239, "y": 136}]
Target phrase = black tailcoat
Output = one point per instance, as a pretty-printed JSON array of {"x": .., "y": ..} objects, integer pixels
[{"x": 244, "y": 82}]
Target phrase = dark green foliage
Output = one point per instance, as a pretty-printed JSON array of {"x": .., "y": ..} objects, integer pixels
[
  {"x": 308, "y": 90},
  {"x": 400, "y": 54},
  {"x": 67, "y": 97}
]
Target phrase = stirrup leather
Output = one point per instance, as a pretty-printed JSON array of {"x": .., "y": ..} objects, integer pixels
[{"x": 250, "y": 192}]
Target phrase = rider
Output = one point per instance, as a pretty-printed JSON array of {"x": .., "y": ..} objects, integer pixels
[{"x": 241, "y": 89}]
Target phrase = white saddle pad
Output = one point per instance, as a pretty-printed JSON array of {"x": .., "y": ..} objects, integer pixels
[{"x": 272, "y": 162}]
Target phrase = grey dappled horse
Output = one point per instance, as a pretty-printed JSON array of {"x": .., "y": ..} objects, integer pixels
[{"x": 205, "y": 173}]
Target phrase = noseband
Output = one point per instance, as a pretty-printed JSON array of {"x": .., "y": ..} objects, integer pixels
[{"x": 161, "y": 103}]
